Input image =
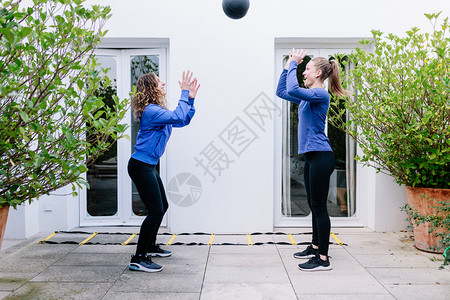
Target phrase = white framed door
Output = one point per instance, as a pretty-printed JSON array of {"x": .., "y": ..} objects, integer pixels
[
  {"x": 290, "y": 203},
  {"x": 112, "y": 199}
]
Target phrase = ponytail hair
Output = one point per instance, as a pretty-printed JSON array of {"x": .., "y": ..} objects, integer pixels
[{"x": 330, "y": 70}]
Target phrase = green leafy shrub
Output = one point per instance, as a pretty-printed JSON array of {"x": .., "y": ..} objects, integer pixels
[
  {"x": 400, "y": 111},
  {"x": 49, "y": 93}
]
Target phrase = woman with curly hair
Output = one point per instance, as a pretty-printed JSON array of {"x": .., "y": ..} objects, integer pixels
[{"x": 155, "y": 126}]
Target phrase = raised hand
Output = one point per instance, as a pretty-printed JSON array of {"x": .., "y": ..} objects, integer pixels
[
  {"x": 288, "y": 62},
  {"x": 298, "y": 55},
  {"x": 193, "y": 88},
  {"x": 186, "y": 80}
]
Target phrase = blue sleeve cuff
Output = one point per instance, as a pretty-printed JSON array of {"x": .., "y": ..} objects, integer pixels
[
  {"x": 184, "y": 95},
  {"x": 293, "y": 65}
]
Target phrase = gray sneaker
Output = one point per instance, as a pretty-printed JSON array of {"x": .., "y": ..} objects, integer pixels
[
  {"x": 143, "y": 263},
  {"x": 157, "y": 251}
]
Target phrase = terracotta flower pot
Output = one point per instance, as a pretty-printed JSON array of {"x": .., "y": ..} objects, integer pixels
[
  {"x": 3, "y": 217},
  {"x": 424, "y": 200}
]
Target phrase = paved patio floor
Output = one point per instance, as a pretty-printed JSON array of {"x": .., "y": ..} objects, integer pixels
[{"x": 368, "y": 265}]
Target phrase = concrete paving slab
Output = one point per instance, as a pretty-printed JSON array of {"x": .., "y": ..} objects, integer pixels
[
  {"x": 289, "y": 251},
  {"x": 301, "y": 240},
  {"x": 130, "y": 249},
  {"x": 94, "y": 259},
  {"x": 93, "y": 274},
  {"x": 351, "y": 230},
  {"x": 161, "y": 282},
  {"x": 172, "y": 266},
  {"x": 396, "y": 261},
  {"x": 240, "y": 239},
  {"x": 63, "y": 237},
  {"x": 60, "y": 290},
  {"x": 372, "y": 266},
  {"x": 370, "y": 236},
  {"x": 334, "y": 246},
  {"x": 18, "y": 245},
  {"x": 192, "y": 254},
  {"x": 160, "y": 239},
  {"x": 184, "y": 260},
  {"x": 112, "y": 229},
  {"x": 43, "y": 251},
  {"x": 10, "y": 284},
  {"x": 191, "y": 239},
  {"x": 25, "y": 268},
  {"x": 327, "y": 282},
  {"x": 431, "y": 256},
  {"x": 246, "y": 275},
  {"x": 293, "y": 230},
  {"x": 3, "y": 294},
  {"x": 341, "y": 254},
  {"x": 6, "y": 243},
  {"x": 293, "y": 249},
  {"x": 284, "y": 238},
  {"x": 260, "y": 239},
  {"x": 400, "y": 235},
  {"x": 341, "y": 261},
  {"x": 347, "y": 296},
  {"x": 243, "y": 260},
  {"x": 245, "y": 249},
  {"x": 408, "y": 292},
  {"x": 151, "y": 296},
  {"x": 111, "y": 239},
  {"x": 299, "y": 248},
  {"x": 408, "y": 276},
  {"x": 339, "y": 268},
  {"x": 375, "y": 245},
  {"x": 245, "y": 291}
]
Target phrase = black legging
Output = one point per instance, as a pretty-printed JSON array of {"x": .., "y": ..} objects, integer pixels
[
  {"x": 151, "y": 191},
  {"x": 318, "y": 168}
]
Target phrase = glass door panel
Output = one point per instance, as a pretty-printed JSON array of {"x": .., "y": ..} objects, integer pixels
[
  {"x": 341, "y": 201},
  {"x": 295, "y": 203},
  {"x": 137, "y": 62},
  {"x": 112, "y": 199},
  {"x": 102, "y": 174},
  {"x": 139, "y": 65}
]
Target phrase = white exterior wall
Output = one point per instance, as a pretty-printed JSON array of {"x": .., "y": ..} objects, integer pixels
[
  {"x": 23, "y": 222},
  {"x": 58, "y": 211},
  {"x": 234, "y": 62}
]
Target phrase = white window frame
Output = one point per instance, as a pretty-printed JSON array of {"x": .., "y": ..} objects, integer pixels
[
  {"x": 124, "y": 215},
  {"x": 317, "y": 48}
]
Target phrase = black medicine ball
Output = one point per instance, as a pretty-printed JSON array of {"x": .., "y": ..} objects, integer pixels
[{"x": 235, "y": 9}]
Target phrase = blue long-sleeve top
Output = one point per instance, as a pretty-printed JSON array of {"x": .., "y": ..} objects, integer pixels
[
  {"x": 312, "y": 110},
  {"x": 155, "y": 128}
]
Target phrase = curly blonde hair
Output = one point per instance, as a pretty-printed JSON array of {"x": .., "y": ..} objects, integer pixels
[{"x": 147, "y": 93}]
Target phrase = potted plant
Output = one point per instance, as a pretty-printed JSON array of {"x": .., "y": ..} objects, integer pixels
[
  {"x": 53, "y": 119},
  {"x": 400, "y": 113},
  {"x": 437, "y": 220}
]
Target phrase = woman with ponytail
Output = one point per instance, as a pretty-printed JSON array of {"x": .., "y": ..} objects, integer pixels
[
  {"x": 313, "y": 143},
  {"x": 155, "y": 127}
]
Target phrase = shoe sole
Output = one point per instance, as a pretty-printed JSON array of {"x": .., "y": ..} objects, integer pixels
[
  {"x": 304, "y": 257},
  {"x": 135, "y": 267},
  {"x": 159, "y": 254},
  {"x": 320, "y": 268}
]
